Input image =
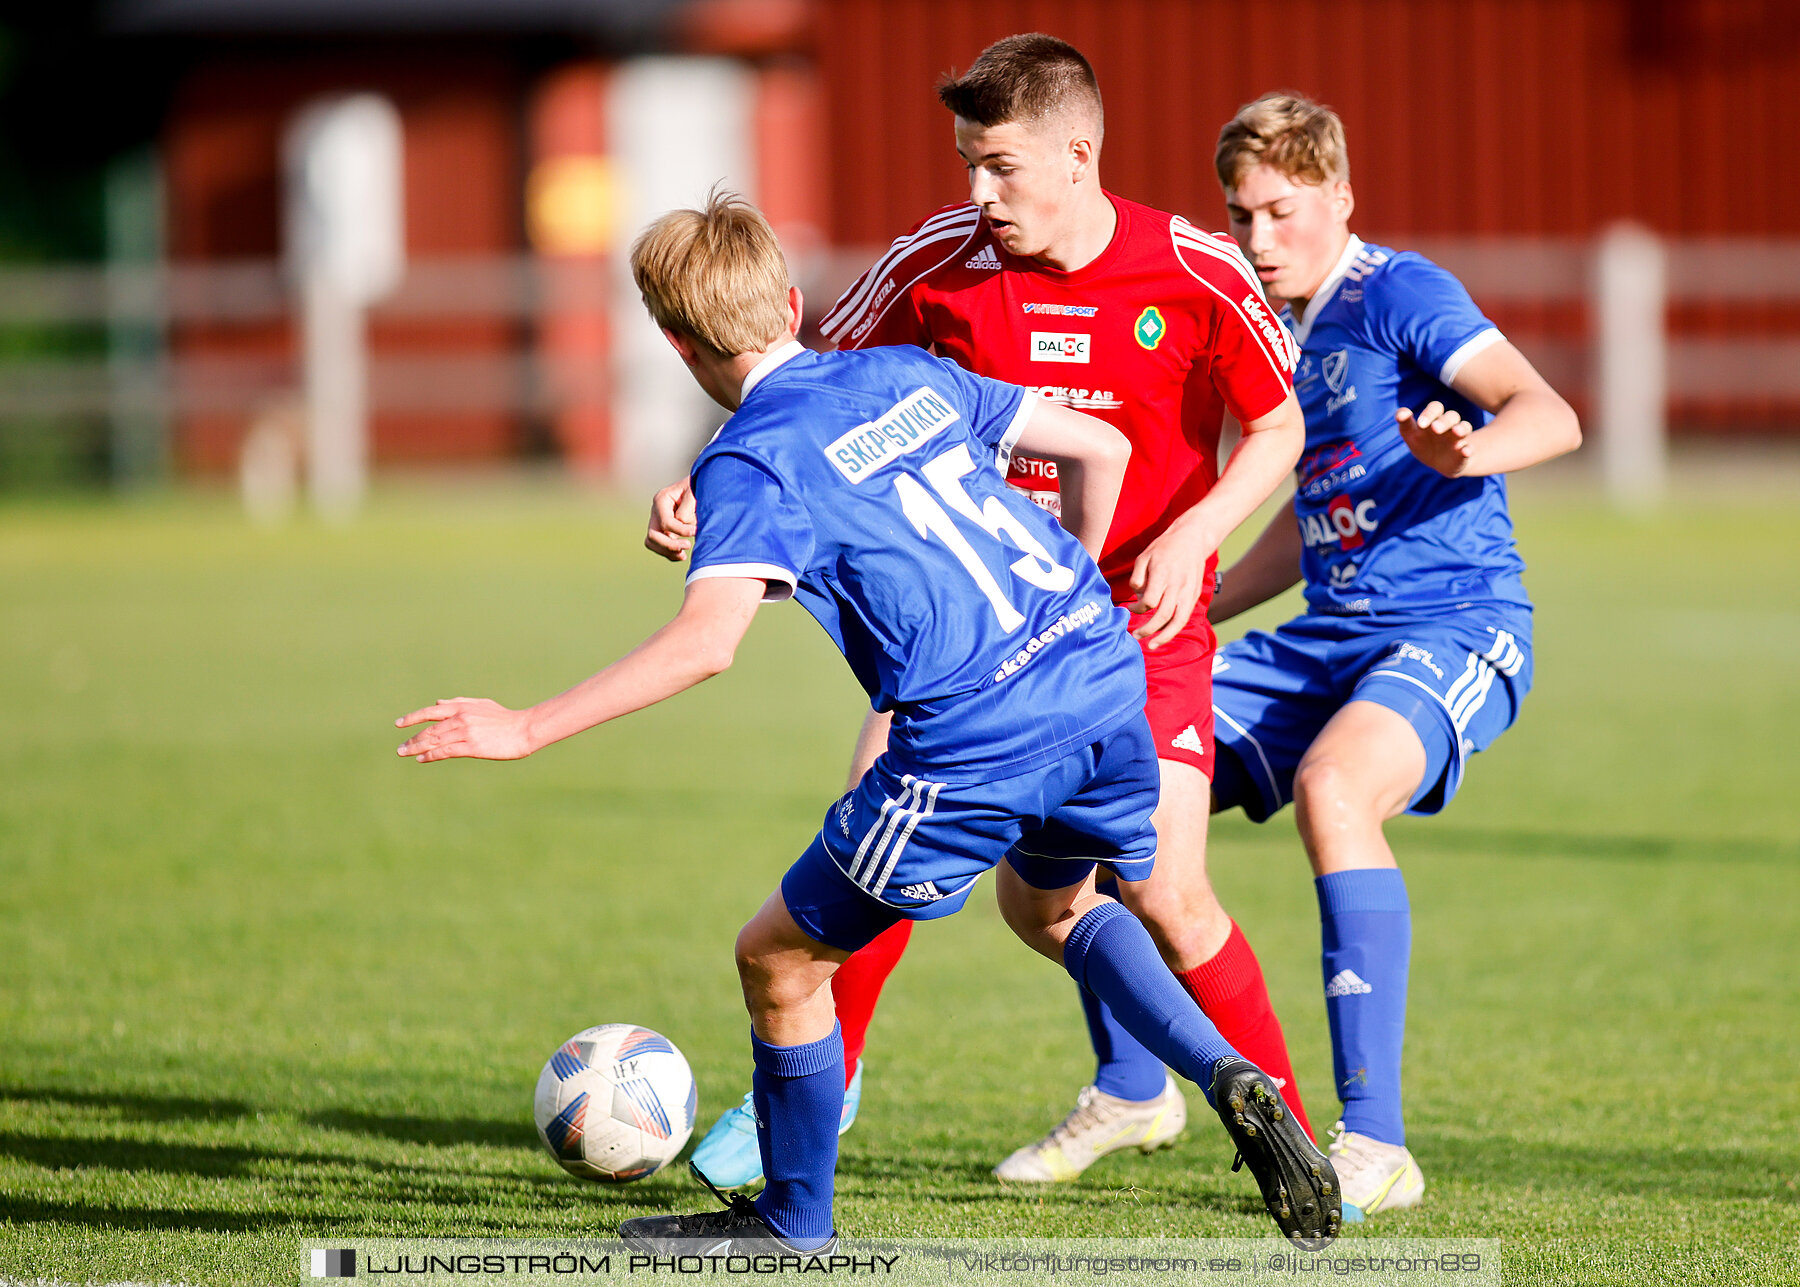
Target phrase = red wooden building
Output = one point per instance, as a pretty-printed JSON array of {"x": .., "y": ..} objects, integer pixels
[{"x": 1468, "y": 119}]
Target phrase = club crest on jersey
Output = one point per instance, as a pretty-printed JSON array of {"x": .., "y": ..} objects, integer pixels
[
  {"x": 1049, "y": 346},
  {"x": 1149, "y": 328},
  {"x": 1336, "y": 367},
  {"x": 906, "y": 426}
]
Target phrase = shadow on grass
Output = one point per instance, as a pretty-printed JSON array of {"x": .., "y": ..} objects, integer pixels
[
  {"x": 59, "y": 1152},
  {"x": 315, "y": 1180},
  {"x": 1702, "y": 1174},
  {"x": 33, "y": 1210},
  {"x": 441, "y": 1131},
  {"x": 933, "y": 1179},
  {"x": 139, "y": 1108}
]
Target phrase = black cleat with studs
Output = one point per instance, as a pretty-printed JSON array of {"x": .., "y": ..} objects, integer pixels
[
  {"x": 1297, "y": 1182},
  {"x": 738, "y": 1230}
]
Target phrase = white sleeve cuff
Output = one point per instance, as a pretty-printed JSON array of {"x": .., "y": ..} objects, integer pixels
[
  {"x": 777, "y": 581},
  {"x": 1027, "y": 405},
  {"x": 1470, "y": 347}
]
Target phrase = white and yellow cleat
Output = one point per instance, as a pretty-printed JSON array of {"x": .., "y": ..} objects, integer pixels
[
  {"x": 1374, "y": 1176},
  {"x": 1100, "y": 1124}
]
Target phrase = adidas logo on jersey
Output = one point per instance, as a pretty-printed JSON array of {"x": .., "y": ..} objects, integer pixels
[
  {"x": 984, "y": 258},
  {"x": 1347, "y": 983},
  {"x": 1189, "y": 740},
  {"x": 926, "y": 892}
]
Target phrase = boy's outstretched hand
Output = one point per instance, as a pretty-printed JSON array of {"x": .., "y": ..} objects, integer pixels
[
  {"x": 472, "y": 727},
  {"x": 1439, "y": 437}
]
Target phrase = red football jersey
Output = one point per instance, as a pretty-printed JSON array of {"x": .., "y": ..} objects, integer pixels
[{"x": 1158, "y": 336}]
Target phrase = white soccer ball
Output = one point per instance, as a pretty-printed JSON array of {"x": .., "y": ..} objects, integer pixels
[{"x": 615, "y": 1103}]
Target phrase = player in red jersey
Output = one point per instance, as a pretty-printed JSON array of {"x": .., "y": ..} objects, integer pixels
[{"x": 1045, "y": 279}]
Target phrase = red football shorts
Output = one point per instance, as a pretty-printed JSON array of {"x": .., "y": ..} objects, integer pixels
[
  {"x": 1180, "y": 706},
  {"x": 1179, "y": 673}
]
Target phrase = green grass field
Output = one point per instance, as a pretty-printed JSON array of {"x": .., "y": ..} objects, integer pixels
[{"x": 263, "y": 983}]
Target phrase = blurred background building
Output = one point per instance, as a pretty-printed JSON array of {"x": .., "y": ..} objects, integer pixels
[{"x": 154, "y": 313}]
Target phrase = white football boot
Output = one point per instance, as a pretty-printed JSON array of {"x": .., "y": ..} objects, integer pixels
[
  {"x": 1374, "y": 1176},
  {"x": 1100, "y": 1124}
]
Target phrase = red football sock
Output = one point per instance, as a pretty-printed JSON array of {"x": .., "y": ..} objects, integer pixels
[
  {"x": 1230, "y": 989},
  {"x": 856, "y": 987}
]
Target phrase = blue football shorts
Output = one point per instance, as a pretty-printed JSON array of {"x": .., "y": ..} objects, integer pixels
[
  {"x": 899, "y": 846},
  {"x": 1458, "y": 678}
]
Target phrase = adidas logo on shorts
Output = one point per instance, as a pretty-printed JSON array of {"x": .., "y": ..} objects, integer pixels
[
  {"x": 1188, "y": 740},
  {"x": 1347, "y": 983},
  {"x": 984, "y": 258}
]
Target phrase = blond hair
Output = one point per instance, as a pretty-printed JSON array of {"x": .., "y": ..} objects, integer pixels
[
  {"x": 1289, "y": 132},
  {"x": 715, "y": 275}
]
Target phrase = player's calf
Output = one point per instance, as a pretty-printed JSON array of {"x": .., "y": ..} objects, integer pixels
[{"x": 785, "y": 975}]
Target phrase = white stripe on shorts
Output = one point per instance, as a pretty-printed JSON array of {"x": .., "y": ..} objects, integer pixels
[
  {"x": 917, "y": 816},
  {"x": 885, "y": 821},
  {"x": 1476, "y": 694}
]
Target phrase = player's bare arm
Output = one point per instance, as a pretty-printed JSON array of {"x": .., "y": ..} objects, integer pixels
[
  {"x": 671, "y": 530},
  {"x": 1268, "y": 567},
  {"x": 1169, "y": 577},
  {"x": 1090, "y": 458},
  {"x": 699, "y": 643},
  {"x": 1531, "y": 421}
]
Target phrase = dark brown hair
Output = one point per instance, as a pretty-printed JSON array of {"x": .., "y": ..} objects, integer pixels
[{"x": 1023, "y": 79}]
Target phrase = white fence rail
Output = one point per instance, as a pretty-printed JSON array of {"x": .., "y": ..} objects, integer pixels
[{"x": 1627, "y": 369}]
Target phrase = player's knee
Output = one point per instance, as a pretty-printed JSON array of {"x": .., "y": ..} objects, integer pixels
[
  {"x": 1027, "y": 913},
  {"x": 1151, "y": 904},
  {"x": 1021, "y": 919},
  {"x": 1185, "y": 921},
  {"x": 1328, "y": 785},
  {"x": 758, "y": 967}
]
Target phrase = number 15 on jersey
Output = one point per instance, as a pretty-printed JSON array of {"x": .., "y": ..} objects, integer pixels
[{"x": 930, "y": 519}]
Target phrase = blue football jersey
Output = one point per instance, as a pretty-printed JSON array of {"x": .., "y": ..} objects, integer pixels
[
  {"x": 869, "y": 486},
  {"x": 1383, "y": 532}
]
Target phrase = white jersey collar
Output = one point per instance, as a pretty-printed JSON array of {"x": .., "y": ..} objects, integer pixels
[
  {"x": 772, "y": 359},
  {"x": 1327, "y": 288}
]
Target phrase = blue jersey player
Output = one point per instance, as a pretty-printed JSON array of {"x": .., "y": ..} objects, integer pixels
[
  {"x": 1414, "y": 651},
  {"x": 868, "y": 486}
]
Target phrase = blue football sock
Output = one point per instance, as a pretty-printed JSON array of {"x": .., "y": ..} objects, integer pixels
[
  {"x": 1365, "y": 933},
  {"x": 798, "y": 1093},
  {"x": 1124, "y": 1069},
  {"x": 1110, "y": 953}
]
